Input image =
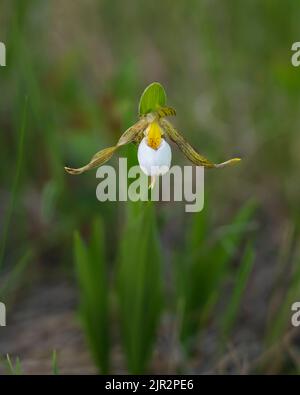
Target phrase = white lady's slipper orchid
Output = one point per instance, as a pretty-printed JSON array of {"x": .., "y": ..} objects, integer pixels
[
  {"x": 154, "y": 153},
  {"x": 154, "y": 162}
]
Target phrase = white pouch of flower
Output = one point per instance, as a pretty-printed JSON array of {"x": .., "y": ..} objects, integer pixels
[{"x": 154, "y": 162}]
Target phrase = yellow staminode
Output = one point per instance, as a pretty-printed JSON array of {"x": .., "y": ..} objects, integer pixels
[{"x": 154, "y": 133}]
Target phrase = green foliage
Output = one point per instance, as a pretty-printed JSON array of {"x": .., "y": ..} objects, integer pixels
[
  {"x": 153, "y": 97},
  {"x": 235, "y": 91},
  {"x": 17, "y": 271},
  {"x": 139, "y": 285},
  {"x": 202, "y": 267},
  {"x": 280, "y": 318},
  {"x": 94, "y": 294},
  {"x": 16, "y": 181},
  {"x": 55, "y": 369},
  {"x": 16, "y": 275},
  {"x": 241, "y": 279},
  {"x": 14, "y": 368}
]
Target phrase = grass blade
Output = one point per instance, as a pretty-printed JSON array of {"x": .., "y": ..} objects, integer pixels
[
  {"x": 242, "y": 277},
  {"x": 20, "y": 155},
  {"x": 13, "y": 370},
  {"x": 94, "y": 294},
  {"x": 202, "y": 267},
  {"x": 55, "y": 369},
  {"x": 139, "y": 286}
]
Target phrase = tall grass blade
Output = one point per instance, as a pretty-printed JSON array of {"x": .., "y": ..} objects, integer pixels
[
  {"x": 139, "y": 286},
  {"x": 94, "y": 294},
  {"x": 231, "y": 312},
  {"x": 55, "y": 369},
  {"x": 281, "y": 320},
  {"x": 202, "y": 267},
  {"x": 19, "y": 163},
  {"x": 13, "y": 369}
]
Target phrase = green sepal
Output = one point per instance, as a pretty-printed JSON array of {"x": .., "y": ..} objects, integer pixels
[{"x": 153, "y": 98}]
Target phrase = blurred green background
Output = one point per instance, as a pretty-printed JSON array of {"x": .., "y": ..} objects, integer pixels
[{"x": 122, "y": 287}]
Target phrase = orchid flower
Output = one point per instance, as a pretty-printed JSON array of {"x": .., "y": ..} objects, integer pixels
[{"x": 150, "y": 133}]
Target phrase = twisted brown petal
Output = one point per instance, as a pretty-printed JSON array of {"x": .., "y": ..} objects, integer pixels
[
  {"x": 104, "y": 155},
  {"x": 133, "y": 132},
  {"x": 189, "y": 151},
  {"x": 97, "y": 160}
]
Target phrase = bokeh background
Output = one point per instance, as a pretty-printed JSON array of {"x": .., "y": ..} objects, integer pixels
[{"x": 115, "y": 287}]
